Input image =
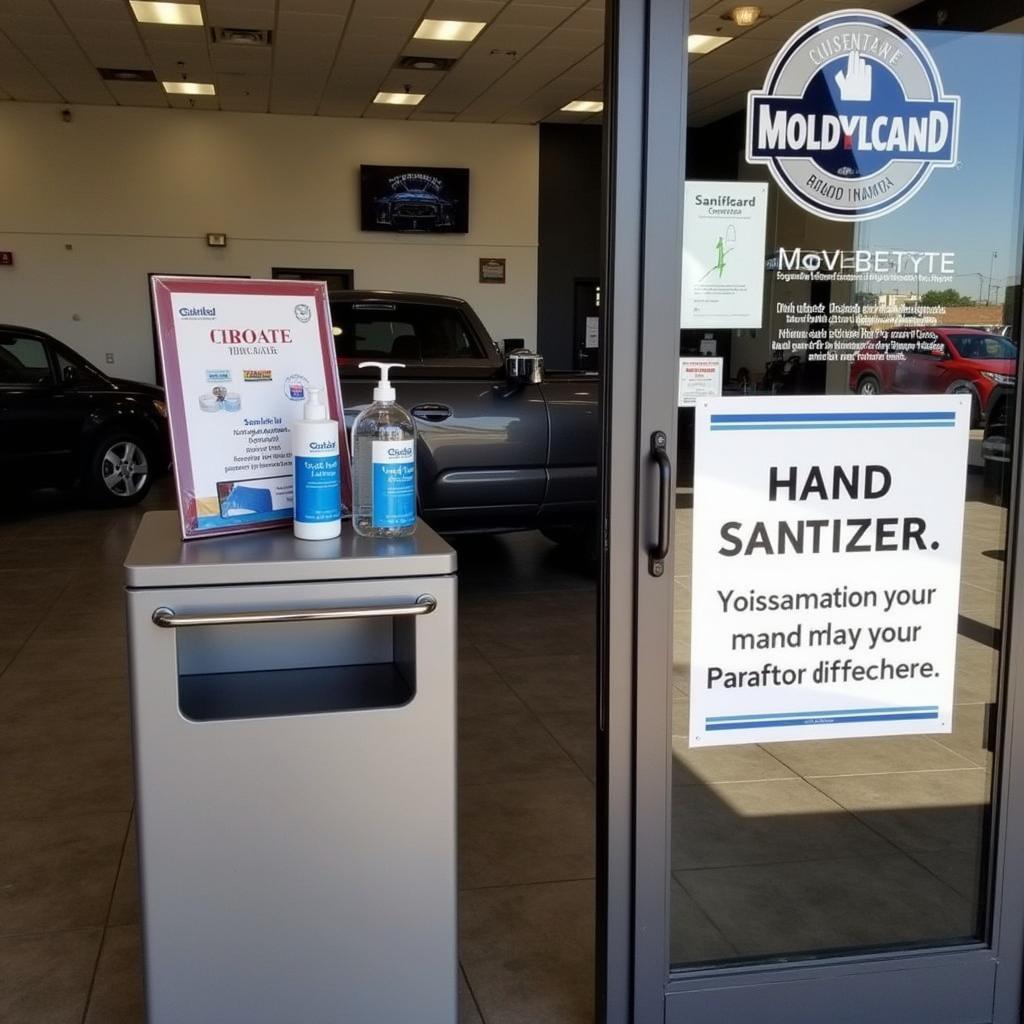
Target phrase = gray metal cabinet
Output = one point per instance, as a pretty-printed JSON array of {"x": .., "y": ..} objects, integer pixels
[{"x": 294, "y": 728}]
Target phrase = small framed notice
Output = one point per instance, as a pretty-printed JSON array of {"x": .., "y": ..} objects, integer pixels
[
  {"x": 699, "y": 377},
  {"x": 238, "y": 359},
  {"x": 492, "y": 271}
]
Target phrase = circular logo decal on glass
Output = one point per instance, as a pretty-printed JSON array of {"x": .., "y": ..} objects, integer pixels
[{"x": 852, "y": 118}]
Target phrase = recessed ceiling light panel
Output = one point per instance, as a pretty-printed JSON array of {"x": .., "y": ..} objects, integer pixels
[
  {"x": 190, "y": 88},
  {"x": 449, "y": 31},
  {"x": 402, "y": 99},
  {"x": 160, "y": 12},
  {"x": 705, "y": 44},
  {"x": 584, "y": 107}
]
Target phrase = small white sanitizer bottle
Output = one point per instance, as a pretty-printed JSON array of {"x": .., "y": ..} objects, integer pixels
[
  {"x": 317, "y": 471},
  {"x": 384, "y": 460}
]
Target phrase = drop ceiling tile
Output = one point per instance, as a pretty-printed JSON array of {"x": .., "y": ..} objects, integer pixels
[
  {"x": 26, "y": 7},
  {"x": 247, "y": 14},
  {"x": 230, "y": 58},
  {"x": 190, "y": 36},
  {"x": 419, "y": 114},
  {"x": 343, "y": 106},
  {"x": 313, "y": 6},
  {"x": 506, "y": 36},
  {"x": 114, "y": 49},
  {"x": 296, "y": 94},
  {"x": 91, "y": 10},
  {"x": 138, "y": 94},
  {"x": 250, "y": 93},
  {"x": 297, "y": 52},
  {"x": 370, "y": 21},
  {"x": 20, "y": 79},
  {"x": 464, "y": 10},
  {"x": 301, "y": 23},
  {"x": 169, "y": 53},
  {"x": 418, "y": 81},
  {"x": 587, "y": 19},
  {"x": 361, "y": 43},
  {"x": 82, "y": 90},
  {"x": 536, "y": 14},
  {"x": 361, "y": 65},
  {"x": 44, "y": 21}
]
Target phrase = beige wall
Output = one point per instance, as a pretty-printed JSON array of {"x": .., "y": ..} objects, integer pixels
[{"x": 91, "y": 207}]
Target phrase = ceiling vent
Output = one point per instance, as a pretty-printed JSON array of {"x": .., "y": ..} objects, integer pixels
[
  {"x": 127, "y": 74},
  {"x": 241, "y": 36},
  {"x": 425, "y": 63}
]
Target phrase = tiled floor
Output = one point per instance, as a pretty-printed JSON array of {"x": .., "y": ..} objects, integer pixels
[
  {"x": 874, "y": 840},
  {"x": 69, "y": 915}
]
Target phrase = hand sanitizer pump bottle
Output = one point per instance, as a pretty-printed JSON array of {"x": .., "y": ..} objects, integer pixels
[
  {"x": 317, "y": 471},
  {"x": 384, "y": 457}
]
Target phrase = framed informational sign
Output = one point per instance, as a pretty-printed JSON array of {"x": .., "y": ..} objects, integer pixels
[
  {"x": 238, "y": 357},
  {"x": 699, "y": 377},
  {"x": 826, "y": 566},
  {"x": 724, "y": 226}
]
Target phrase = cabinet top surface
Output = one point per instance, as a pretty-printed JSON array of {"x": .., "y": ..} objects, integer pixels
[{"x": 160, "y": 558}]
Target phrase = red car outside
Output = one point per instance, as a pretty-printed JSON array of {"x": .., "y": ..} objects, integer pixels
[{"x": 936, "y": 360}]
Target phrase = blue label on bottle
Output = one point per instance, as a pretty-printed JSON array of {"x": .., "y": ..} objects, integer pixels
[
  {"x": 394, "y": 484},
  {"x": 317, "y": 489}
]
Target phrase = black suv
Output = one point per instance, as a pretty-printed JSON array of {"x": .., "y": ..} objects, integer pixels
[{"x": 63, "y": 423}]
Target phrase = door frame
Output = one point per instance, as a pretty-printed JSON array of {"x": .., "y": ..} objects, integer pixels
[{"x": 644, "y": 165}]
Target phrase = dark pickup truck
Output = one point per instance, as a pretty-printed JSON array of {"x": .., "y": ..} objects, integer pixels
[{"x": 498, "y": 449}]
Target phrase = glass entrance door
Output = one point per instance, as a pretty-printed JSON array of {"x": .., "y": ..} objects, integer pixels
[{"x": 813, "y": 806}]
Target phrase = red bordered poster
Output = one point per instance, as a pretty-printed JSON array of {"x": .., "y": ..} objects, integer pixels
[{"x": 238, "y": 357}]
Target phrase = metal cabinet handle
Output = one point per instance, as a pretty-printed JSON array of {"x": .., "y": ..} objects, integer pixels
[
  {"x": 166, "y": 618},
  {"x": 666, "y": 510}
]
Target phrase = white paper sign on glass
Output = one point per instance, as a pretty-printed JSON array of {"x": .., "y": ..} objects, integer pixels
[
  {"x": 826, "y": 566},
  {"x": 238, "y": 358},
  {"x": 723, "y": 254},
  {"x": 699, "y": 377}
]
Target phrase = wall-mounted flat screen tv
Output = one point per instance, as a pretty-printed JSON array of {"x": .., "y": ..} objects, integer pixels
[{"x": 422, "y": 200}]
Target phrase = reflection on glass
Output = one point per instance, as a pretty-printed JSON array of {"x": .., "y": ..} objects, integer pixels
[{"x": 794, "y": 849}]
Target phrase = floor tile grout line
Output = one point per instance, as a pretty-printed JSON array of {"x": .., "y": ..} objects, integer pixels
[
  {"x": 106, "y": 917},
  {"x": 525, "y": 885},
  {"x": 472, "y": 994},
  {"x": 886, "y": 839},
  {"x": 36, "y": 627},
  {"x": 704, "y": 911}
]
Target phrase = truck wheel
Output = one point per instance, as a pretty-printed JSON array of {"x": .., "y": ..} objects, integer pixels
[
  {"x": 963, "y": 387},
  {"x": 120, "y": 470}
]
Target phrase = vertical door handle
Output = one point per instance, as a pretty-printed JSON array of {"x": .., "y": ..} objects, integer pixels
[{"x": 666, "y": 504}]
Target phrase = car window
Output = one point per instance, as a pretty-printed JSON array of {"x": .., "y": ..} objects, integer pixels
[
  {"x": 73, "y": 371},
  {"x": 24, "y": 361},
  {"x": 983, "y": 346},
  {"x": 401, "y": 332}
]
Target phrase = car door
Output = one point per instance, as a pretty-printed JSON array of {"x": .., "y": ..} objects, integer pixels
[
  {"x": 482, "y": 444},
  {"x": 32, "y": 444}
]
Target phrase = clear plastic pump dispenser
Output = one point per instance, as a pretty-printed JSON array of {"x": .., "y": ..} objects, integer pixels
[{"x": 384, "y": 461}]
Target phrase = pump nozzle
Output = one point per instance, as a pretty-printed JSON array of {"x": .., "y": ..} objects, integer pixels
[
  {"x": 314, "y": 408},
  {"x": 384, "y": 391}
]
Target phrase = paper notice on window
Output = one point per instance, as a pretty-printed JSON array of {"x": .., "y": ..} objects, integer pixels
[
  {"x": 723, "y": 254},
  {"x": 699, "y": 377}
]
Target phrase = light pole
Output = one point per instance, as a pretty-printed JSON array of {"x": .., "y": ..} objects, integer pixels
[{"x": 991, "y": 267}]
